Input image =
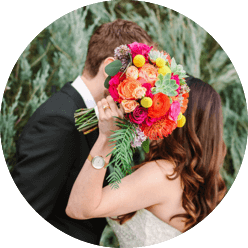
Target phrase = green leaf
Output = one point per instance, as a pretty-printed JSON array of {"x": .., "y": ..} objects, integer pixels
[
  {"x": 106, "y": 83},
  {"x": 160, "y": 77},
  {"x": 113, "y": 68},
  {"x": 173, "y": 65},
  {"x": 167, "y": 76},
  {"x": 145, "y": 145},
  {"x": 166, "y": 85}
]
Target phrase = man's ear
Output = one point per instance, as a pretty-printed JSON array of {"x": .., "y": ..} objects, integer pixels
[{"x": 107, "y": 61}]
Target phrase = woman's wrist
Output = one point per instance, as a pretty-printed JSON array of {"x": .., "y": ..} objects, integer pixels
[
  {"x": 105, "y": 139},
  {"x": 102, "y": 147}
]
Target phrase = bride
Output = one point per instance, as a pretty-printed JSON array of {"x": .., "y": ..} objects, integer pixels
[{"x": 176, "y": 187}]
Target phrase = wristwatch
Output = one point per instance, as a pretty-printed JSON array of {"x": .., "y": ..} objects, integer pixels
[{"x": 97, "y": 162}]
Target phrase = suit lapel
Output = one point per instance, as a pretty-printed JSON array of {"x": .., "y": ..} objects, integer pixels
[{"x": 73, "y": 93}]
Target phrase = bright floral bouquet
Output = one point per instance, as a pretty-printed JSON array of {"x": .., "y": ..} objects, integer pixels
[{"x": 151, "y": 88}]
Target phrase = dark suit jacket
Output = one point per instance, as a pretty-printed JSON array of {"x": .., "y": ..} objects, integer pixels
[{"x": 50, "y": 154}]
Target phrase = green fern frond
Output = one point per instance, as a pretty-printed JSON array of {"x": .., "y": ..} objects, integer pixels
[{"x": 122, "y": 153}]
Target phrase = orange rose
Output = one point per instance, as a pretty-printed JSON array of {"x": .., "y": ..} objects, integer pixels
[
  {"x": 129, "y": 105},
  {"x": 149, "y": 73},
  {"x": 160, "y": 105},
  {"x": 132, "y": 72},
  {"x": 126, "y": 88}
]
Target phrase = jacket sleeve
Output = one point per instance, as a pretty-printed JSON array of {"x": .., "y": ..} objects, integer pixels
[{"x": 45, "y": 153}]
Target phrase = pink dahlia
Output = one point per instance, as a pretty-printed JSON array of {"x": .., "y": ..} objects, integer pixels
[{"x": 140, "y": 48}]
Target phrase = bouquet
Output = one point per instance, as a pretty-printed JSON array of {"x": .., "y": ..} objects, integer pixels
[{"x": 152, "y": 90}]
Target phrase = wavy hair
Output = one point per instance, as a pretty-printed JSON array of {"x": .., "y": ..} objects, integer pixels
[{"x": 198, "y": 150}]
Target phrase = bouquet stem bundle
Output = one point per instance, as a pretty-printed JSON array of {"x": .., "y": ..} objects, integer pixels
[{"x": 86, "y": 120}]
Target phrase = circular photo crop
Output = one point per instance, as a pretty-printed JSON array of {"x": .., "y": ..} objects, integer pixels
[{"x": 123, "y": 124}]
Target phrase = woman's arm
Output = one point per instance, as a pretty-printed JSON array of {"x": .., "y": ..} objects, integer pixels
[
  {"x": 86, "y": 193},
  {"x": 143, "y": 188}
]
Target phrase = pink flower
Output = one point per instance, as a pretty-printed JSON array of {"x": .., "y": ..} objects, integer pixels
[
  {"x": 139, "y": 138},
  {"x": 114, "y": 93},
  {"x": 175, "y": 77},
  {"x": 113, "y": 84},
  {"x": 150, "y": 121},
  {"x": 148, "y": 90},
  {"x": 140, "y": 48},
  {"x": 174, "y": 111},
  {"x": 138, "y": 115}
]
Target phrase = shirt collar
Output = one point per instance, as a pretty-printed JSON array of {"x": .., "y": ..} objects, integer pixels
[{"x": 83, "y": 90}]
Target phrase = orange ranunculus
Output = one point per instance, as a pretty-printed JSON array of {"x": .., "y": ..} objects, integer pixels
[
  {"x": 160, "y": 105},
  {"x": 129, "y": 105},
  {"x": 149, "y": 73},
  {"x": 126, "y": 88}
]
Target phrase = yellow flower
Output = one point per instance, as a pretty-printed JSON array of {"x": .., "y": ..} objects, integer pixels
[
  {"x": 139, "y": 60},
  {"x": 181, "y": 122},
  {"x": 160, "y": 62},
  {"x": 164, "y": 70},
  {"x": 180, "y": 116},
  {"x": 146, "y": 102}
]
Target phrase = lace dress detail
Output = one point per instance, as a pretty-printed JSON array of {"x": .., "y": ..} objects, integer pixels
[{"x": 142, "y": 230}]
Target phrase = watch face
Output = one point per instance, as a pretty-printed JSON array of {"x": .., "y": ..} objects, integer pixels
[{"x": 98, "y": 162}]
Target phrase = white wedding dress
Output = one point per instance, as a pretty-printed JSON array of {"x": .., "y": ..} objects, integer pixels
[{"x": 143, "y": 229}]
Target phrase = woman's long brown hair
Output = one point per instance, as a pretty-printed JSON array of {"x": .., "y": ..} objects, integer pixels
[{"x": 198, "y": 150}]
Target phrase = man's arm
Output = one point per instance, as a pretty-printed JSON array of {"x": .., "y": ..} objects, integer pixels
[{"x": 45, "y": 152}]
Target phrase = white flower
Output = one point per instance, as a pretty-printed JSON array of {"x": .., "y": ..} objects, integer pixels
[{"x": 139, "y": 138}]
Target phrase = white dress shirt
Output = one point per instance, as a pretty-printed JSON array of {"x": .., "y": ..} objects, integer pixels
[{"x": 83, "y": 90}]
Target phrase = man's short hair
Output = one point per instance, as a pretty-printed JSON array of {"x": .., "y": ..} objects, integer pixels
[{"x": 109, "y": 36}]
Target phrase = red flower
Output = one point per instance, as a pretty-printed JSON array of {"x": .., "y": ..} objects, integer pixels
[
  {"x": 160, "y": 129},
  {"x": 160, "y": 105}
]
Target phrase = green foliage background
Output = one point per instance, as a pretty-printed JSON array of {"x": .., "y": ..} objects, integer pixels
[{"x": 58, "y": 53}]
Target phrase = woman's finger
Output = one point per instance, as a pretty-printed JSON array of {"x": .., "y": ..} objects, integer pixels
[
  {"x": 112, "y": 105},
  {"x": 101, "y": 110},
  {"x": 106, "y": 108},
  {"x": 121, "y": 111}
]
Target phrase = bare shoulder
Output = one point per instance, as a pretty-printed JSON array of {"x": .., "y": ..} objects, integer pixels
[
  {"x": 172, "y": 187},
  {"x": 158, "y": 170},
  {"x": 167, "y": 167}
]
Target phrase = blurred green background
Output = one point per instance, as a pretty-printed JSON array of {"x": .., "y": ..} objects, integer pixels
[{"x": 58, "y": 53}]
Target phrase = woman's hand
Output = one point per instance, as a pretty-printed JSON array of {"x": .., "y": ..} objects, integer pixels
[{"x": 107, "y": 111}]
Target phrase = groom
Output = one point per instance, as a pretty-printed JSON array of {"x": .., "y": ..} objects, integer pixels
[{"x": 50, "y": 150}]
